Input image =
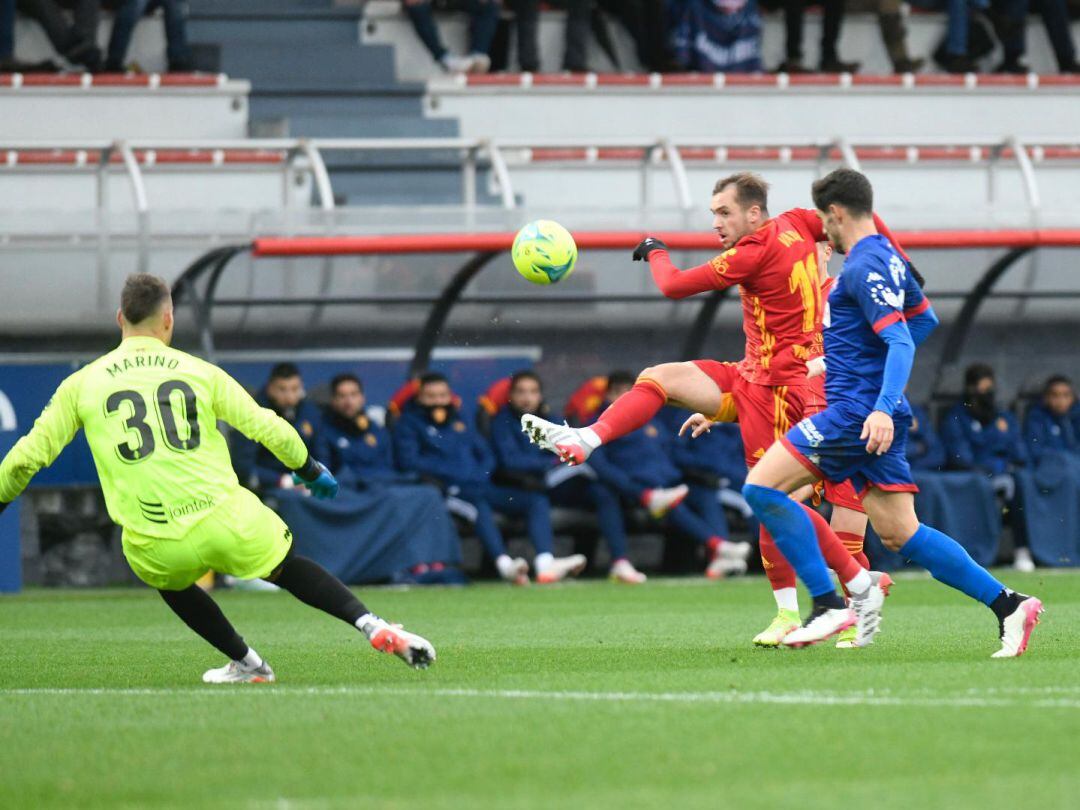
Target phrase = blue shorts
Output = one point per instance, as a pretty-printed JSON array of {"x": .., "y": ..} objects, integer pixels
[{"x": 829, "y": 445}]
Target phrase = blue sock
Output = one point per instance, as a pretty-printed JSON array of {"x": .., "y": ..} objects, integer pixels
[
  {"x": 794, "y": 536},
  {"x": 948, "y": 562}
]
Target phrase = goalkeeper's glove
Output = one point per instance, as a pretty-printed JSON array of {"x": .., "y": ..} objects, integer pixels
[
  {"x": 647, "y": 246},
  {"x": 319, "y": 480}
]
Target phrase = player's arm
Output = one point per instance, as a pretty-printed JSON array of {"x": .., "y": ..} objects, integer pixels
[
  {"x": 726, "y": 270},
  {"x": 880, "y": 302},
  {"x": 236, "y": 406},
  {"x": 812, "y": 222},
  {"x": 51, "y": 433},
  {"x": 919, "y": 314}
]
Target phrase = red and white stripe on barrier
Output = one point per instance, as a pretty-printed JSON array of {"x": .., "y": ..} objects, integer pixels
[
  {"x": 92, "y": 81},
  {"x": 789, "y": 154},
  {"x": 28, "y": 158},
  {"x": 272, "y": 246},
  {"x": 765, "y": 81}
]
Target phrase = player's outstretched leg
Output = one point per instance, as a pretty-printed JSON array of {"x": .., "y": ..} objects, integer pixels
[
  {"x": 892, "y": 515},
  {"x": 682, "y": 383},
  {"x": 202, "y": 614},
  {"x": 314, "y": 585}
]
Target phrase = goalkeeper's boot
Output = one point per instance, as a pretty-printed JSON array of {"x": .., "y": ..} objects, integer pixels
[
  {"x": 822, "y": 623},
  {"x": 728, "y": 559},
  {"x": 414, "y": 650},
  {"x": 570, "y": 444},
  {"x": 785, "y": 622},
  {"x": 661, "y": 500},
  {"x": 237, "y": 672},
  {"x": 560, "y": 568},
  {"x": 1017, "y": 626},
  {"x": 623, "y": 571}
]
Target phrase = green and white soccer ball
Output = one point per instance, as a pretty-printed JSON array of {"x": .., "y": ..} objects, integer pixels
[{"x": 544, "y": 252}]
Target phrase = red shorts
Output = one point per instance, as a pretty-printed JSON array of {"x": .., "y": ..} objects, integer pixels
[{"x": 767, "y": 412}]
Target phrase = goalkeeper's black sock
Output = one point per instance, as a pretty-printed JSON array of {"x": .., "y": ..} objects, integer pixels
[
  {"x": 314, "y": 585},
  {"x": 201, "y": 613}
]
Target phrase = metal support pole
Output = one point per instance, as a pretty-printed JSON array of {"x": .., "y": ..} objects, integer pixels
[
  {"x": 1027, "y": 171},
  {"x": 436, "y": 320},
  {"x": 694, "y": 344},
  {"x": 502, "y": 175},
  {"x": 678, "y": 175},
  {"x": 319, "y": 174}
]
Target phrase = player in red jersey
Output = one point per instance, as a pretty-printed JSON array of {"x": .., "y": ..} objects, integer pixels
[{"x": 774, "y": 262}]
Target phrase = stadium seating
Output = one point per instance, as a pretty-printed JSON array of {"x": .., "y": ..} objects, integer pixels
[{"x": 47, "y": 106}]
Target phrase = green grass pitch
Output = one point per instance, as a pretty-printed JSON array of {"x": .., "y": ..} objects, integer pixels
[{"x": 579, "y": 696}]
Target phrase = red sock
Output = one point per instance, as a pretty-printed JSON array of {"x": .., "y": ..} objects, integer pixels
[
  {"x": 854, "y": 544},
  {"x": 837, "y": 557},
  {"x": 630, "y": 411},
  {"x": 777, "y": 568}
]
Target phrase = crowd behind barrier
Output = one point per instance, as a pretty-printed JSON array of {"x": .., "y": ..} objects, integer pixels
[{"x": 419, "y": 475}]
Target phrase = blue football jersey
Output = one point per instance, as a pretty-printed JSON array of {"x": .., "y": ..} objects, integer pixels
[{"x": 873, "y": 291}]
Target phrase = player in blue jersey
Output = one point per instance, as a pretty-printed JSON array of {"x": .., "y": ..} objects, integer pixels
[{"x": 876, "y": 316}]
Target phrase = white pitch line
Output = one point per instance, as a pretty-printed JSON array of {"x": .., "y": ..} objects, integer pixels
[{"x": 968, "y": 699}]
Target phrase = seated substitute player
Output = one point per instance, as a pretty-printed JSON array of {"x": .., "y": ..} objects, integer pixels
[
  {"x": 257, "y": 467},
  {"x": 639, "y": 467},
  {"x": 150, "y": 414},
  {"x": 877, "y": 316},
  {"x": 774, "y": 262},
  {"x": 522, "y": 465},
  {"x": 433, "y": 441}
]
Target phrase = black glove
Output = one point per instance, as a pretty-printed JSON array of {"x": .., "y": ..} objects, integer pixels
[
  {"x": 647, "y": 246},
  {"x": 916, "y": 275},
  {"x": 3, "y": 506}
]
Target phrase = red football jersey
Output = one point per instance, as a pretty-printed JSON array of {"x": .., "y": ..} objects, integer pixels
[{"x": 776, "y": 270}]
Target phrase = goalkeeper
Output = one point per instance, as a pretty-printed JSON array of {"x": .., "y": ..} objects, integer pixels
[{"x": 150, "y": 414}]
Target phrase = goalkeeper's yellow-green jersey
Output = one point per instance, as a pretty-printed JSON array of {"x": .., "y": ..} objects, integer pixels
[{"x": 150, "y": 413}]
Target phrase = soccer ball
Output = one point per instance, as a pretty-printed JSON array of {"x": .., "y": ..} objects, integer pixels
[{"x": 544, "y": 252}]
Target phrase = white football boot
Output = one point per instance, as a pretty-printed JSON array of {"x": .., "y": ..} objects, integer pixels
[
  {"x": 820, "y": 625},
  {"x": 568, "y": 443},
  {"x": 729, "y": 559},
  {"x": 1016, "y": 628},
  {"x": 623, "y": 571},
  {"x": 661, "y": 500},
  {"x": 414, "y": 650},
  {"x": 235, "y": 672},
  {"x": 560, "y": 568},
  {"x": 514, "y": 570}
]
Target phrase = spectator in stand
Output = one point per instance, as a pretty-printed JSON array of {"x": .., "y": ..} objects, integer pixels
[
  {"x": 639, "y": 467},
  {"x": 955, "y": 55},
  {"x": 644, "y": 20},
  {"x": 433, "y": 441},
  {"x": 76, "y": 41},
  {"x": 716, "y": 35},
  {"x": 833, "y": 17},
  {"x": 924, "y": 448},
  {"x": 1053, "y": 424},
  {"x": 483, "y": 20},
  {"x": 1010, "y": 24},
  {"x": 520, "y": 464},
  {"x": 126, "y": 13},
  {"x": 258, "y": 468},
  {"x": 981, "y": 436}
]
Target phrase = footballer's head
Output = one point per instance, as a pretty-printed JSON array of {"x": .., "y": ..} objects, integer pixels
[
  {"x": 146, "y": 307},
  {"x": 285, "y": 388},
  {"x": 618, "y": 383},
  {"x": 347, "y": 396},
  {"x": 526, "y": 393},
  {"x": 843, "y": 197},
  {"x": 434, "y": 391},
  {"x": 740, "y": 205}
]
